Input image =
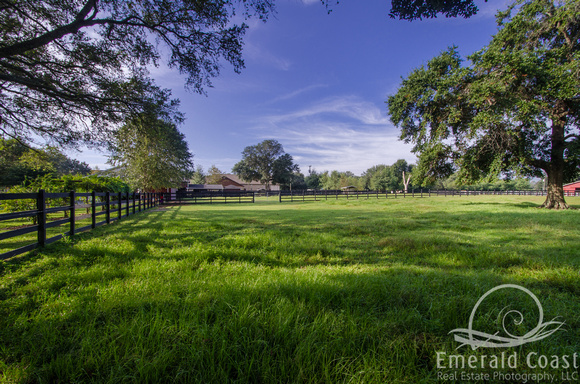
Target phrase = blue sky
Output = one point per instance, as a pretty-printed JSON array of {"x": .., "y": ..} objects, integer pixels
[{"x": 317, "y": 83}]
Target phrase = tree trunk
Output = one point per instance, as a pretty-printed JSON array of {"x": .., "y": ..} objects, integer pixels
[
  {"x": 406, "y": 182},
  {"x": 555, "y": 191}
]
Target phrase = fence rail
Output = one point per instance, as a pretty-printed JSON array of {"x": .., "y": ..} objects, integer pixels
[
  {"x": 189, "y": 197},
  {"x": 315, "y": 195},
  {"x": 505, "y": 193},
  {"x": 114, "y": 206}
]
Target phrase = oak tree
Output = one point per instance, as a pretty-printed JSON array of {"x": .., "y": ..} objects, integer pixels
[
  {"x": 266, "y": 162},
  {"x": 514, "y": 109}
]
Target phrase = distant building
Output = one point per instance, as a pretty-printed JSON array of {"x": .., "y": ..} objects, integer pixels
[
  {"x": 231, "y": 182},
  {"x": 250, "y": 186},
  {"x": 205, "y": 187},
  {"x": 572, "y": 188},
  {"x": 349, "y": 188}
]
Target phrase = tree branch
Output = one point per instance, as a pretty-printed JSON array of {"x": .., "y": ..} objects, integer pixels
[{"x": 42, "y": 40}]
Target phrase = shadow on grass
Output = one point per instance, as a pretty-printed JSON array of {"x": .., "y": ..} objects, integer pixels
[
  {"x": 237, "y": 294},
  {"x": 504, "y": 204},
  {"x": 341, "y": 236},
  {"x": 388, "y": 324}
]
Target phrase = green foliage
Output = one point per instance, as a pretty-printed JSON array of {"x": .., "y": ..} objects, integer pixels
[
  {"x": 19, "y": 162},
  {"x": 313, "y": 180},
  {"x": 294, "y": 181},
  {"x": 64, "y": 63},
  {"x": 66, "y": 183},
  {"x": 419, "y": 9},
  {"x": 199, "y": 176},
  {"x": 387, "y": 177},
  {"x": 152, "y": 154},
  {"x": 514, "y": 110},
  {"x": 266, "y": 162},
  {"x": 516, "y": 184},
  {"x": 214, "y": 175}
]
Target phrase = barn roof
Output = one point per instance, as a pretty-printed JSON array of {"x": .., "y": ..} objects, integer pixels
[{"x": 575, "y": 182}]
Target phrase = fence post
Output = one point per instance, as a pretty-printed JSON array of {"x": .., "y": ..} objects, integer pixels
[
  {"x": 72, "y": 213},
  {"x": 127, "y": 206},
  {"x": 133, "y": 202},
  {"x": 93, "y": 209},
  {"x": 119, "y": 205},
  {"x": 41, "y": 207},
  {"x": 108, "y": 205}
]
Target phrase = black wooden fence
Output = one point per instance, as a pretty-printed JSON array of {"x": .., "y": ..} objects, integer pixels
[
  {"x": 113, "y": 207},
  {"x": 209, "y": 197},
  {"x": 313, "y": 195},
  {"x": 504, "y": 193},
  {"x": 304, "y": 195}
]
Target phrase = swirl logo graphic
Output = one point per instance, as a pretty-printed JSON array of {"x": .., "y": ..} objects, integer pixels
[{"x": 478, "y": 339}]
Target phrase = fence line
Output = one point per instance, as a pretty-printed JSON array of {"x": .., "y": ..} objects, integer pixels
[
  {"x": 316, "y": 195},
  {"x": 451, "y": 192},
  {"x": 114, "y": 207},
  {"x": 208, "y": 197}
]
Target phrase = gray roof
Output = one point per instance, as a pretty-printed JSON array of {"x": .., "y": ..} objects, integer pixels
[{"x": 205, "y": 186}]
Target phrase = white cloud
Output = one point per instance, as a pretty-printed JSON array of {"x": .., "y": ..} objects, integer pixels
[
  {"x": 342, "y": 133},
  {"x": 257, "y": 54},
  {"x": 349, "y": 106},
  {"x": 293, "y": 94}
]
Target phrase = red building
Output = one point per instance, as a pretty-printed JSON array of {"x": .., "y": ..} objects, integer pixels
[{"x": 572, "y": 188}]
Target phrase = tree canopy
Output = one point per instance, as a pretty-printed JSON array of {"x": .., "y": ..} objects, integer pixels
[
  {"x": 419, "y": 9},
  {"x": 70, "y": 71},
  {"x": 386, "y": 177},
  {"x": 514, "y": 110},
  {"x": 214, "y": 175},
  {"x": 152, "y": 154},
  {"x": 266, "y": 162}
]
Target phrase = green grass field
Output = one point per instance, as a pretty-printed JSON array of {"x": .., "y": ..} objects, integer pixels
[{"x": 362, "y": 291}]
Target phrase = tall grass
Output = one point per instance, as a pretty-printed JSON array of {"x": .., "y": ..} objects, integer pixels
[{"x": 323, "y": 292}]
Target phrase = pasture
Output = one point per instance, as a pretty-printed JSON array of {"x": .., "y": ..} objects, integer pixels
[{"x": 357, "y": 291}]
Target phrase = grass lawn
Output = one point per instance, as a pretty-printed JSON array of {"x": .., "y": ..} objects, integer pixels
[{"x": 358, "y": 291}]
